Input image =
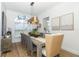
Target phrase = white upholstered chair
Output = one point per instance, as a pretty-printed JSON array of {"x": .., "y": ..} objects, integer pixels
[{"x": 52, "y": 45}]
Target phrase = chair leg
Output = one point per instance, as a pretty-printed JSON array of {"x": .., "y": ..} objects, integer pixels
[
  {"x": 28, "y": 53},
  {"x": 32, "y": 53},
  {"x": 58, "y": 55},
  {"x": 43, "y": 55}
]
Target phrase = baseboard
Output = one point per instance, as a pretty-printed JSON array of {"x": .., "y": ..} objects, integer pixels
[
  {"x": 72, "y": 51},
  {"x": 0, "y": 37},
  {"x": 0, "y": 43},
  {"x": 15, "y": 41}
]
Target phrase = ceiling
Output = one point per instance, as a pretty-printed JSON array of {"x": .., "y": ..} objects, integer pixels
[{"x": 25, "y": 7}]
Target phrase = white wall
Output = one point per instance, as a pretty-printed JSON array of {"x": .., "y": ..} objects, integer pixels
[
  {"x": 71, "y": 38},
  {"x": 0, "y": 20},
  {"x": 0, "y": 26},
  {"x": 11, "y": 15}
]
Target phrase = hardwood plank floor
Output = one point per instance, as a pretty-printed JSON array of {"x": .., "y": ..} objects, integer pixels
[
  {"x": 19, "y": 51},
  {"x": 65, "y": 53}
]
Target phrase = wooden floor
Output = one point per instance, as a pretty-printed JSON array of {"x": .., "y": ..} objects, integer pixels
[{"x": 19, "y": 51}]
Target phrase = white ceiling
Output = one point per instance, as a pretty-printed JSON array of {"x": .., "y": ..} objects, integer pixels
[{"x": 25, "y": 7}]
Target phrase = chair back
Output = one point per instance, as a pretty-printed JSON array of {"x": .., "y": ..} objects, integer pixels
[
  {"x": 53, "y": 44},
  {"x": 29, "y": 43},
  {"x": 23, "y": 40}
]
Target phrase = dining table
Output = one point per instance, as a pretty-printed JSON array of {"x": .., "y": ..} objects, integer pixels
[{"x": 40, "y": 43}]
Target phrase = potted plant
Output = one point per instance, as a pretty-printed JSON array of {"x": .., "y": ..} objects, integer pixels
[{"x": 34, "y": 33}]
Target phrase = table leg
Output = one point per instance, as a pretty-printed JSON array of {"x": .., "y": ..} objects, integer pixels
[{"x": 39, "y": 50}]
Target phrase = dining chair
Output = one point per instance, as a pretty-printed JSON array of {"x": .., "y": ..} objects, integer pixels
[
  {"x": 23, "y": 41},
  {"x": 30, "y": 46},
  {"x": 53, "y": 45},
  {"x": 26, "y": 41},
  {"x": 42, "y": 35}
]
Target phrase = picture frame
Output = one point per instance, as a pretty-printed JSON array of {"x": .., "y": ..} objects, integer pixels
[
  {"x": 67, "y": 22},
  {"x": 55, "y": 23}
]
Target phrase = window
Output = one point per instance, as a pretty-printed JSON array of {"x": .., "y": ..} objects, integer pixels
[
  {"x": 55, "y": 23},
  {"x": 20, "y": 25},
  {"x": 67, "y": 22},
  {"x": 64, "y": 22},
  {"x": 46, "y": 24}
]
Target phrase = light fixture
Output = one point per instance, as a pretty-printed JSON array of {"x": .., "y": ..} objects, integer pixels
[{"x": 33, "y": 19}]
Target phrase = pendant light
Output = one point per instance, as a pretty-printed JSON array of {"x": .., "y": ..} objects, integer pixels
[{"x": 33, "y": 19}]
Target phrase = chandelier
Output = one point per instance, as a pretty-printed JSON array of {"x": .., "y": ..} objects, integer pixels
[{"x": 33, "y": 19}]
